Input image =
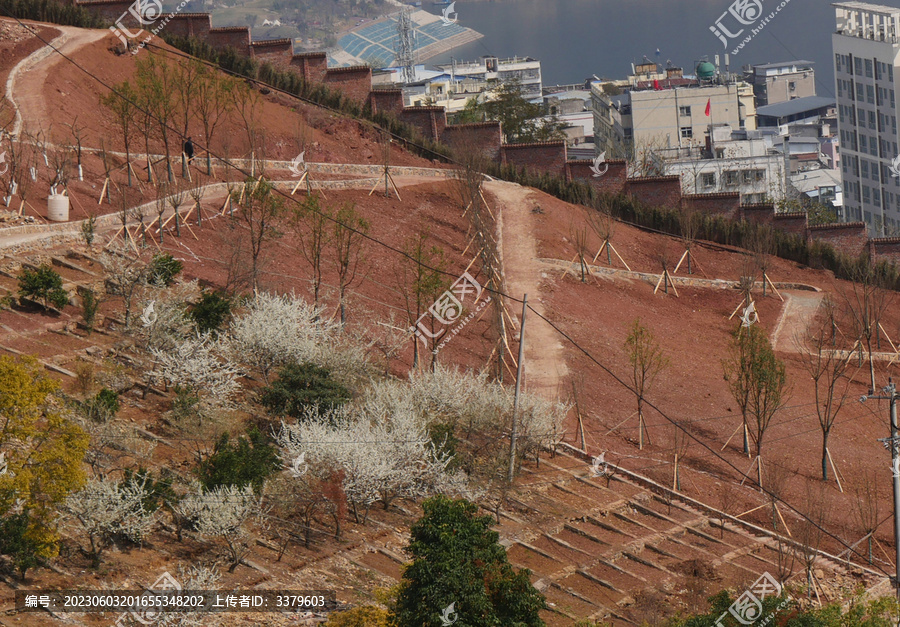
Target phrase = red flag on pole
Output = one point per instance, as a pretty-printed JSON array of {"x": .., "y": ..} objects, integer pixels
[{"x": 707, "y": 107}]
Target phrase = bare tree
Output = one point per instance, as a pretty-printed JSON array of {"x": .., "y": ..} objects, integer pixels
[
  {"x": 421, "y": 280},
  {"x": 349, "y": 233},
  {"x": 767, "y": 388},
  {"x": 828, "y": 369},
  {"x": 647, "y": 361},
  {"x": 867, "y": 507},
  {"x": 311, "y": 229},
  {"x": 175, "y": 194},
  {"x": 809, "y": 532},
  {"x": 260, "y": 211},
  {"x": 246, "y": 102},
  {"x": 123, "y": 103},
  {"x": 213, "y": 102},
  {"x": 125, "y": 274},
  {"x": 866, "y": 301},
  {"x": 157, "y": 82},
  {"x": 579, "y": 235}
]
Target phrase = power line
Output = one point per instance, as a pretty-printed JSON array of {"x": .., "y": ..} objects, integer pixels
[{"x": 490, "y": 290}]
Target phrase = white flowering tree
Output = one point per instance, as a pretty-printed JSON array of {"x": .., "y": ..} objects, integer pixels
[
  {"x": 108, "y": 510},
  {"x": 196, "y": 363},
  {"x": 223, "y": 514},
  {"x": 162, "y": 315},
  {"x": 279, "y": 329},
  {"x": 192, "y": 578},
  {"x": 382, "y": 455}
]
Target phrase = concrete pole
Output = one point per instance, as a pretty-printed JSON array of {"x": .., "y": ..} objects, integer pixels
[
  {"x": 894, "y": 454},
  {"x": 515, "y": 421}
]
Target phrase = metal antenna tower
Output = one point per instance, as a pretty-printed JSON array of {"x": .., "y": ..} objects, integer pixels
[{"x": 406, "y": 50}]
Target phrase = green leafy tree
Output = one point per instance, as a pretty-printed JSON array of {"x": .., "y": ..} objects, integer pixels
[
  {"x": 163, "y": 269},
  {"x": 247, "y": 461},
  {"x": 19, "y": 545},
  {"x": 90, "y": 305},
  {"x": 43, "y": 284},
  {"x": 458, "y": 560},
  {"x": 103, "y": 406},
  {"x": 520, "y": 120},
  {"x": 300, "y": 386},
  {"x": 210, "y": 312}
]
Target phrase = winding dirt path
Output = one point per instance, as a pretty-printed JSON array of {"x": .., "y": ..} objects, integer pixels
[
  {"x": 545, "y": 365},
  {"x": 25, "y": 84},
  {"x": 799, "y": 310}
]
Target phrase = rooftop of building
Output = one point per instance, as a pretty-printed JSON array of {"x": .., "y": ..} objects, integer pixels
[
  {"x": 795, "y": 106},
  {"x": 772, "y": 66},
  {"x": 866, "y": 6}
]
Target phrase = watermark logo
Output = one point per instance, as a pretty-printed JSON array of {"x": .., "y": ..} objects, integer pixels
[
  {"x": 146, "y": 13},
  {"x": 741, "y": 14},
  {"x": 599, "y": 160},
  {"x": 149, "y": 615},
  {"x": 149, "y": 317},
  {"x": 448, "y": 15},
  {"x": 3, "y": 163},
  {"x": 747, "y": 608},
  {"x": 298, "y": 166},
  {"x": 749, "y": 316},
  {"x": 599, "y": 466},
  {"x": 894, "y": 167},
  {"x": 448, "y": 309},
  {"x": 298, "y": 466},
  {"x": 449, "y": 615}
]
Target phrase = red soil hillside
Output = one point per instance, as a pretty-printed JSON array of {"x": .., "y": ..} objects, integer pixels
[{"x": 600, "y": 547}]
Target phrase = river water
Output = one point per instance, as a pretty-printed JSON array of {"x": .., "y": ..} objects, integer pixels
[{"x": 575, "y": 39}]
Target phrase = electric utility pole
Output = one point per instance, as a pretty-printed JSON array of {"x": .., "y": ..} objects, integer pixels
[{"x": 889, "y": 393}]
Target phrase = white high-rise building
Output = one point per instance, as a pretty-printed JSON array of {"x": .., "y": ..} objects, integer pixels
[{"x": 867, "y": 58}]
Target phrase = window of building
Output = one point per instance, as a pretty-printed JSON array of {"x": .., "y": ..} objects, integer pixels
[
  {"x": 864, "y": 168},
  {"x": 890, "y": 73},
  {"x": 868, "y": 68},
  {"x": 732, "y": 177},
  {"x": 837, "y": 62},
  {"x": 866, "y": 194},
  {"x": 862, "y": 143},
  {"x": 792, "y": 85},
  {"x": 857, "y": 62},
  {"x": 707, "y": 179},
  {"x": 684, "y": 111},
  {"x": 860, "y": 92},
  {"x": 870, "y": 94},
  {"x": 872, "y": 123},
  {"x": 687, "y": 132}
]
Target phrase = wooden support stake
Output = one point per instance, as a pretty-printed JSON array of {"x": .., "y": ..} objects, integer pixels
[
  {"x": 680, "y": 261},
  {"x": 750, "y": 511},
  {"x": 103, "y": 191},
  {"x": 772, "y": 285},
  {"x": 780, "y": 517},
  {"x": 299, "y": 183},
  {"x": 732, "y": 435},
  {"x": 740, "y": 304},
  {"x": 834, "y": 468}
]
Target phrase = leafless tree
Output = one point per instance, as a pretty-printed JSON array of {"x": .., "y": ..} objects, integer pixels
[
  {"x": 310, "y": 224},
  {"x": 647, "y": 360},
  {"x": 866, "y": 301},
  {"x": 828, "y": 369},
  {"x": 809, "y": 532},
  {"x": 579, "y": 235},
  {"x": 261, "y": 213},
  {"x": 175, "y": 194},
  {"x": 348, "y": 235},
  {"x": 867, "y": 507}
]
